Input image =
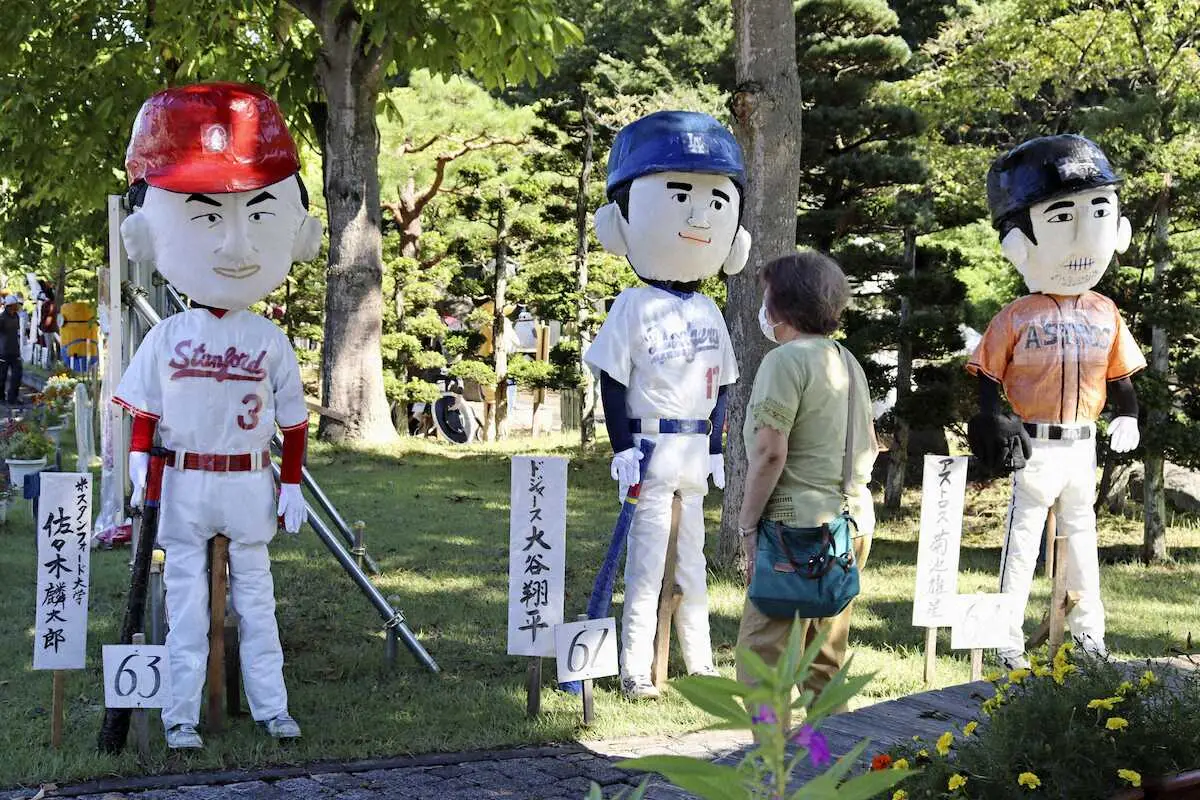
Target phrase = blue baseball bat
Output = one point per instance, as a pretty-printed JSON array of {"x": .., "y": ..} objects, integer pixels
[{"x": 606, "y": 578}]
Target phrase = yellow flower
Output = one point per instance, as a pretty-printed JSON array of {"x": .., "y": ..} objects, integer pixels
[
  {"x": 1105, "y": 703},
  {"x": 1042, "y": 672},
  {"x": 1125, "y": 688},
  {"x": 970, "y": 727},
  {"x": 1116, "y": 723},
  {"x": 1148, "y": 678},
  {"x": 992, "y": 677},
  {"x": 1132, "y": 778},
  {"x": 943, "y": 743},
  {"x": 916, "y": 738},
  {"x": 1029, "y": 780},
  {"x": 1062, "y": 670},
  {"x": 900, "y": 763},
  {"x": 923, "y": 754},
  {"x": 900, "y": 794},
  {"x": 1018, "y": 675},
  {"x": 958, "y": 781}
]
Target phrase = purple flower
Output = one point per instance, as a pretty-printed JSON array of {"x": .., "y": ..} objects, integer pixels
[
  {"x": 815, "y": 743},
  {"x": 764, "y": 716}
]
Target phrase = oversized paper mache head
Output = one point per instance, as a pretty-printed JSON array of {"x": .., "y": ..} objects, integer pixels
[
  {"x": 675, "y": 181},
  {"x": 219, "y": 206},
  {"x": 1054, "y": 202}
]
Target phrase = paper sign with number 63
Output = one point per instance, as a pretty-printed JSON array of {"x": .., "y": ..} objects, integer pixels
[
  {"x": 586, "y": 649},
  {"x": 136, "y": 676}
]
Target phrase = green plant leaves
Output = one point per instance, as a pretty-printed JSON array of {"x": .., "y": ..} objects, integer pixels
[{"x": 711, "y": 781}]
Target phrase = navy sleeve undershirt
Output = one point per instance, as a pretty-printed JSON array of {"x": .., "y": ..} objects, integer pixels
[
  {"x": 717, "y": 417},
  {"x": 1123, "y": 398},
  {"x": 616, "y": 417}
]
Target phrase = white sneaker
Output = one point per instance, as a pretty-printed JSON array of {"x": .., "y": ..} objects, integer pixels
[
  {"x": 709, "y": 671},
  {"x": 639, "y": 687},
  {"x": 282, "y": 727},
  {"x": 184, "y": 737},
  {"x": 1012, "y": 659}
]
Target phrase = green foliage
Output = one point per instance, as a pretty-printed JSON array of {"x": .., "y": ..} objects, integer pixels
[
  {"x": 25, "y": 441},
  {"x": 476, "y": 371},
  {"x": 766, "y": 708},
  {"x": 1069, "y": 726}
]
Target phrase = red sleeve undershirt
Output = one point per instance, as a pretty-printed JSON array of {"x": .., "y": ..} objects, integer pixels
[{"x": 295, "y": 440}]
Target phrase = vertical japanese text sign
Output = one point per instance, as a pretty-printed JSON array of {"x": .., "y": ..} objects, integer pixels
[
  {"x": 64, "y": 533},
  {"x": 536, "y": 554},
  {"x": 942, "y": 492}
]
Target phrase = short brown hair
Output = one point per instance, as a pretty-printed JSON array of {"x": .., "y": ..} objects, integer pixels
[{"x": 807, "y": 290}]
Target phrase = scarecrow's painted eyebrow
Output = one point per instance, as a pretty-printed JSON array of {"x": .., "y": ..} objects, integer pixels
[
  {"x": 261, "y": 197},
  {"x": 202, "y": 198},
  {"x": 1061, "y": 204},
  {"x": 722, "y": 195},
  {"x": 687, "y": 187},
  {"x": 1099, "y": 201}
]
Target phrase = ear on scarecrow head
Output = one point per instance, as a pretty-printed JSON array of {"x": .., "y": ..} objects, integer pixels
[
  {"x": 138, "y": 238},
  {"x": 739, "y": 252},
  {"x": 1015, "y": 245},
  {"x": 610, "y": 229},
  {"x": 308, "y": 240}
]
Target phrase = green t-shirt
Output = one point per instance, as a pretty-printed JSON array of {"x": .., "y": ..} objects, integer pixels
[{"x": 802, "y": 389}]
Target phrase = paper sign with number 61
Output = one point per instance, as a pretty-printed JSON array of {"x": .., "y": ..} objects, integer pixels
[
  {"x": 586, "y": 649},
  {"x": 136, "y": 676}
]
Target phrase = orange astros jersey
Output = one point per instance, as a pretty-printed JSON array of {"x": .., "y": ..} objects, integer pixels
[{"x": 1054, "y": 355}]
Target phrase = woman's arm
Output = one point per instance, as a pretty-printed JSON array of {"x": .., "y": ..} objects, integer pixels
[{"x": 762, "y": 473}]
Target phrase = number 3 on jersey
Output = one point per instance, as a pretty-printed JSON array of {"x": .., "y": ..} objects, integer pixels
[
  {"x": 248, "y": 420},
  {"x": 711, "y": 377}
]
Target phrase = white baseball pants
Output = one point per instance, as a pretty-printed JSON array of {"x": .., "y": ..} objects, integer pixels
[
  {"x": 1059, "y": 475},
  {"x": 679, "y": 463}
]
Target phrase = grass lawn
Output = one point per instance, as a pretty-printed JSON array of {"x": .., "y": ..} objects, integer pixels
[{"x": 437, "y": 522}]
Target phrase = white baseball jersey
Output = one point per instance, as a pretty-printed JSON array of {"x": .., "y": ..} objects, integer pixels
[
  {"x": 672, "y": 354},
  {"x": 216, "y": 384}
]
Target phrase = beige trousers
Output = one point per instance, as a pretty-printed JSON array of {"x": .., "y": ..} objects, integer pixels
[{"x": 768, "y": 636}]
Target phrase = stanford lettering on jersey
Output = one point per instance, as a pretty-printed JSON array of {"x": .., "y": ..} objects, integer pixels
[
  {"x": 664, "y": 345},
  {"x": 234, "y": 365}
]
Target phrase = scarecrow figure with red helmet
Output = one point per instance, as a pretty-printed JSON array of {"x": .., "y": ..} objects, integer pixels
[
  {"x": 1060, "y": 353},
  {"x": 665, "y": 360},
  {"x": 219, "y": 207}
]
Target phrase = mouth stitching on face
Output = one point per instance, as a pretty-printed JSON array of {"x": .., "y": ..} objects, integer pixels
[
  {"x": 239, "y": 272},
  {"x": 697, "y": 239},
  {"x": 1080, "y": 264}
]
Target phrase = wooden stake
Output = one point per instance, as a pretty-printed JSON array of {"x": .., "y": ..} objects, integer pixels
[
  {"x": 215, "y": 683},
  {"x": 1051, "y": 534},
  {"x": 1058, "y": 595},
  {"x": 930, "y": 655},
  {"x": 58, "y": 703},
  {"x": 976, "y": 665},
  {"x": 233, "y": 668},
  {"x": 669, "y": 598},
  {"x": 140, "y": 719},
  {"x": 589, "y": 709},
  {"x": 533, "y": 687}
]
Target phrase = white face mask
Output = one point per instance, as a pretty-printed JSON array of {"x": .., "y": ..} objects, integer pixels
[{"x": 765, "y": 325}]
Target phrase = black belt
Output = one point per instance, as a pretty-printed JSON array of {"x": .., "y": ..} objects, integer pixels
[
  {"x": 702, "y": 426},
  {"x": 1050, "y": 431}
]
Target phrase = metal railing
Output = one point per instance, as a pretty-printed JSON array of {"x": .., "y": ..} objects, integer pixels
[{"x": 393, "y": 620}]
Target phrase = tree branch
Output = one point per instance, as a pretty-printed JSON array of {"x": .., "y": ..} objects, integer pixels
[
  {"x": 475, "y": 143},
  {"x": 309, "y": 8}
]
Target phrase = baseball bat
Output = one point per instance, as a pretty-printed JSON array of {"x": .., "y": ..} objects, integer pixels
[
  {"x": 606, "y": 578},
  {"x": 114, "y": 730}
]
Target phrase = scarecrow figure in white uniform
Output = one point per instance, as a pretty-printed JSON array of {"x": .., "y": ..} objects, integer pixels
[
  {"x": 675, "y": 182},
  {"x": 1059, "y": 353},
  {"x": 220, "y": 209}
]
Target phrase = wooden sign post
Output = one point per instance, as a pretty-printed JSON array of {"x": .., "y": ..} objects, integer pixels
[
  {"x": 584, "y": 650},
  {"x": 64, "y": 533},
  {"x": 536, "y": 563},
  {"x": 943, "y": 489}
]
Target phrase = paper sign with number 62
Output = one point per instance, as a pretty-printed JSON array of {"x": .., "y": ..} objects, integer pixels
[
  {"x": 586, "y": 649},
  {"x": 136, "y": 676}
]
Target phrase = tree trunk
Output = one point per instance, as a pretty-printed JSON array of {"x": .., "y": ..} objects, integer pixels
[
  {"x": 587, "y": 414},
  {"x": 1154, "y": 496},
  {"x": 766, "y": 110},
  {"x": 352, "y": 359},
  {"x": 499, "y": 351},
  {"x": 898, "y": 455}
]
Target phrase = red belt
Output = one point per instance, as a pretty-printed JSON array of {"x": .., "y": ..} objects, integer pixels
[{"x": 216, "y": 462}]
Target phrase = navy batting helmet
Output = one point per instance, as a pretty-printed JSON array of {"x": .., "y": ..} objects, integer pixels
[
  {"x": 674, "y": 141},
  {"x": 1042, "y": 169}
]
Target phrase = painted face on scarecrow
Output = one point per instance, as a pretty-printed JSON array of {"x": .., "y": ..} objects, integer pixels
[
  {"x": 221, "y": 211},
  {"x": 675, "y": 184}
]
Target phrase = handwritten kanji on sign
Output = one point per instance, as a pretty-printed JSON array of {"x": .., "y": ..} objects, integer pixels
[
  {"x": 537, "y": 554},
  {"x": 942, "y": 493},
  {"x": 64, "y": 531}
]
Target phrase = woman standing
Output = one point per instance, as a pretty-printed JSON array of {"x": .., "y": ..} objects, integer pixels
[{"x": 796, "y": 437}]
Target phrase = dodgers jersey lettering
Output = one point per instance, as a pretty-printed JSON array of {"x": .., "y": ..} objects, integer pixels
[
  {"x": 672, "y": 354},
  {"x": 1055, "y": 354},
  {"x": 217, "y": 384}
]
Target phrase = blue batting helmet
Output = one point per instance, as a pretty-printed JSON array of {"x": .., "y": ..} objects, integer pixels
[
  {"x": 674, "y": 141},
  {"x": 1042, "y": 169}
]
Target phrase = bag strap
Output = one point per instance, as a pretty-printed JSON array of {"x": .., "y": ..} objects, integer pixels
[
  {"x": 827, "y": 544},
  {"x": 851, "y": 404}
]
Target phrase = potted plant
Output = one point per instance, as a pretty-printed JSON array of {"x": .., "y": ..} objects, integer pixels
[
  {"x": 1078, "y": 726},
  {"x": 25, "y": 448}
]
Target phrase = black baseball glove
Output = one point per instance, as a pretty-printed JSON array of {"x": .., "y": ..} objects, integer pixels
[{"x": 999, "y": 442}]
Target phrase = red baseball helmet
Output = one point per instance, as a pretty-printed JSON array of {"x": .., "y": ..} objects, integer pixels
[{"x": 210, "y": 138}]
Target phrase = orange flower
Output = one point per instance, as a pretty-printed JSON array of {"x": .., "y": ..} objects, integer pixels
[{"x": 881, "y": 762}]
